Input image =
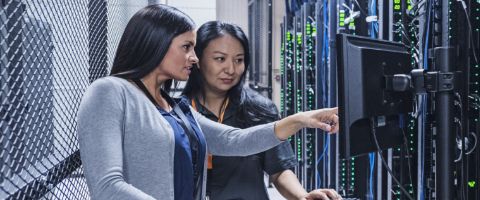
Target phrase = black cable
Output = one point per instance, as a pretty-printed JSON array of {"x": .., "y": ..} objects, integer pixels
[
  {"x": 416, "y": 8},
  {"x": 470, "y": 32},
  {"x": 458, "y": 138},
  {"x": 462, "y": 160},
  {"x": 464, "y": 171},
  {"x": 408, "y": 157},
  {"x": 360, "y": 7},
  {"x": 385, "y": 163},
  {"x": 426, "y": 32},
  {"x": 474, "y": 144}
]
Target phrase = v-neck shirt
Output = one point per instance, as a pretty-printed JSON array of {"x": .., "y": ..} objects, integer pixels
[{"x": 183, "y": 164}]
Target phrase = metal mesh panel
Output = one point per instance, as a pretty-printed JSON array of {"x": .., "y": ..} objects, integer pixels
[{"x": 50, "y": 51}]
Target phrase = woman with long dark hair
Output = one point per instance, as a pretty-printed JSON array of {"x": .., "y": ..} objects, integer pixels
[
  {"x": 217, "y": 90},
  {"x": 136, "y": 142}
]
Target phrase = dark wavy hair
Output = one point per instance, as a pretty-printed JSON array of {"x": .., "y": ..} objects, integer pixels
[
  {"x": 146, "y": 40},
  {"x": 253, "y": 107}
]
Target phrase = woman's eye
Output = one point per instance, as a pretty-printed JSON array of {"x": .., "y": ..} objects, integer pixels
[
  {"x": 239, "y": 61},
  {"x": 221, "y": 59},
  {"x": 186, "y": 47}
]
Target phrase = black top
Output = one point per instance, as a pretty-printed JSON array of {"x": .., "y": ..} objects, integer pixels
[{"x": 242, "y": 178}]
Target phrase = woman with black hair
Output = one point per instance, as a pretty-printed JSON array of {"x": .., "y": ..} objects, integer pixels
[
  {"x": 136, "y": 142},
  {"x": 216, "y": 89}
]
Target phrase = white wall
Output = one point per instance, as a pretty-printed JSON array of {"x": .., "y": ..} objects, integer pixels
[
  {"x": 200, "y": 11},
  {"x": 233, "y": 11}
]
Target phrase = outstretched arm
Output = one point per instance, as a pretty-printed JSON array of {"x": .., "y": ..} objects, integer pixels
[
  {"x": 228, "y": 141},
  {"x": 325, "y": 119}
]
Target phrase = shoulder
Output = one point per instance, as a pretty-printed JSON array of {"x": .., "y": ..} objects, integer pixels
[
  {"x": 255, "y": 109},
  {"x": 106, "y": 89},
  {"x": 253, "y": 98},
  {"x": 104, "y": 95},
  {"x": 108, "y": 83}
]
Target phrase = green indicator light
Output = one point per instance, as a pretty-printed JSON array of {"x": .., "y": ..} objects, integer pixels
[{"x": 471, "y": 184}]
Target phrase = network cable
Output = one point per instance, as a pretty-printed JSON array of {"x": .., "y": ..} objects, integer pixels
[{"x": 384, "y": 162}]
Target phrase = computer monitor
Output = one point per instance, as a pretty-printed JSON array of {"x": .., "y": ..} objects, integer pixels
[{"x": 363, "y": 67}]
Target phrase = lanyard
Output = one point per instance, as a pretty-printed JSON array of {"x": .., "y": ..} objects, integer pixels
[
  {"x": 222, "y": 110},
  {"x": 220, "y": 120}
]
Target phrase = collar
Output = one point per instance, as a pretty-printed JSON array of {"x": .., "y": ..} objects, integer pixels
[{"x": 229, "y": 112}]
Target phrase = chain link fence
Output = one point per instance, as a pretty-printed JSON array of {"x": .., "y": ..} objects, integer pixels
[{"x": 50, "y": 51}]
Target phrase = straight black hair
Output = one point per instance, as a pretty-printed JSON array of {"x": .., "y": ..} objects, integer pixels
[
  {"x": 253, "y": 107},
  {"x": 205, "y": 34},
  {"x": 146, "y": 40}
]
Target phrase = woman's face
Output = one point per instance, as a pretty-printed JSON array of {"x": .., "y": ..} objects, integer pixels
[
  {"x": 222, "y": 63},
  {"x": 180, "y": 57}
]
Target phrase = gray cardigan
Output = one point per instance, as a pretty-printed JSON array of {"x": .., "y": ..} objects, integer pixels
[{"x": 127, "y": 147}]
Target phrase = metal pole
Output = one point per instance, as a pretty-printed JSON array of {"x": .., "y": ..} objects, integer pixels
[
  {"x": 444, "y": 107},
  {"x": 445, "y": 138}
]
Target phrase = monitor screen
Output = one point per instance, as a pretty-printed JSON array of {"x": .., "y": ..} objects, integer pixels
[{"x": 363, "y": 65}]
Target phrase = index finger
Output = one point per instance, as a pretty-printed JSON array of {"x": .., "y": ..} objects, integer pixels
[{"x": 333, "y": 110}]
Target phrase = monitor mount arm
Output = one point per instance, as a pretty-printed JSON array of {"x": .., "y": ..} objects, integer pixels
[
  {"x": 420, "y": 81},
  {"x": 442, "y": 82}
]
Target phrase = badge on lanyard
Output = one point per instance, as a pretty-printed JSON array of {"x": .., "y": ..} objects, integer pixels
[{"x": 220, "y": 120}]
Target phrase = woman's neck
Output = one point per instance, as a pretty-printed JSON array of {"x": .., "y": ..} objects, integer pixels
[
  {"x": 153, "y": 84},
  {"x": 213, "y": 101}
]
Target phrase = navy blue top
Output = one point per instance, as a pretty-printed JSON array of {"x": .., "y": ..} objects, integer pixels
[{"x": 183, "y": 171}]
